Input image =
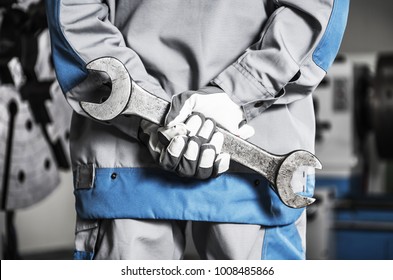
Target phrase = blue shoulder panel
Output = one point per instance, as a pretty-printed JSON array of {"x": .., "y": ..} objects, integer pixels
[
  {"x": 329, "y": 45},
  {"x": 70, "y": 68}
]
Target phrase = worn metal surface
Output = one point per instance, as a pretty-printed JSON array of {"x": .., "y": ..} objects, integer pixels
[
  {"x": 290, "y": 164},
  {"x": 121, "y": 83},
  {"x": 277, "y": 169},
  {"x": 382, "y": 106},
  {"x": 32, "y": 173},
  {"x": 146, "y": 105},
  {"x": 58, "y": 129}
]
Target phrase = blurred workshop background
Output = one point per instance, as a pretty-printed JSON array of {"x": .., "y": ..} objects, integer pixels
[{"x": 353, "y": 215}]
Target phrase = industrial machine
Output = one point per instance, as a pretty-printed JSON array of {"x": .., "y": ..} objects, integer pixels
[
  {"x": 354, "y": 112},
  {"x": 34, "y": 117}
]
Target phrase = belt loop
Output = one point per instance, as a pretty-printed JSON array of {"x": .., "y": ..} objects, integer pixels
[{"x": 84, "y": 176}]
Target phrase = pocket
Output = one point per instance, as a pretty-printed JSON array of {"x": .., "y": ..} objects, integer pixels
[{"x": 86, "y": 234}]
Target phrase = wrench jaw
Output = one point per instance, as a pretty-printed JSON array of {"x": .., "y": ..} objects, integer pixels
[
  {"x": 121, "y": 90},
  {"x": 284, "y": 176}
]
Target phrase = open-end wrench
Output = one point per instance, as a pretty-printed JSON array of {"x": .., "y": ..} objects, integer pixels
[{"x": 130, "y": 99}]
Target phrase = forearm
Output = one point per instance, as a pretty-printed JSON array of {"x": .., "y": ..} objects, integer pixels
[
  {"x": 298, "y": 44},
  {"x": 82, "y": 31}
]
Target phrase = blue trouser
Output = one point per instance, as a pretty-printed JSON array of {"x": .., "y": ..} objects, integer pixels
[{"x": 162, "y": 239}]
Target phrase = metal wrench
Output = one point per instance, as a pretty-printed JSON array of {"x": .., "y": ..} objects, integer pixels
[{"x": 130, "y": 99}]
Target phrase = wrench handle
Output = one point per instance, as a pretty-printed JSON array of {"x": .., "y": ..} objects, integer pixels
[
  {"x": 146, "y": 105},
  {"x": 251, "y": 156}
]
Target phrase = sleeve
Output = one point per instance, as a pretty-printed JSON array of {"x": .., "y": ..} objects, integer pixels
[
  {"x": 82, "y": 31},
  {"x": 295, "y": 49}
]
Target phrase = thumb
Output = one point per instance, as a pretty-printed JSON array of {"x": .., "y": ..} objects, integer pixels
[
  {"x": 181, "y": 107},
  {"x": 166, "y": 134}
]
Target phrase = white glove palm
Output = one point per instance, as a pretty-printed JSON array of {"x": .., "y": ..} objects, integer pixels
[{"x": 214, "y": 103}]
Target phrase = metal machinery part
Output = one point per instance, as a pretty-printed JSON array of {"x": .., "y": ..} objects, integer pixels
[
  {"x": 58, "y": 131},
  {"x": 355, "y": 130},
  {"x": 352, "y": 103},
  {"x": 29, "y": 170},
  {"x": 34, "y": 116},
  {"x": 373, "y": 110},
  {"x": 319, "y": 226},
  {"x": 363, "y": 224},
  {"x": 382, "y": 106},
  {"x": 128, "y": 98}
]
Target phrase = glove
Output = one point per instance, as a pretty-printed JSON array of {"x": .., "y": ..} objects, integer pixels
[
  {"x": 214, "y": 104},
  {"x": 191, "y": 149}
]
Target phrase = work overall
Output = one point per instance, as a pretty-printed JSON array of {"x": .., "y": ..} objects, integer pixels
[{"x": 267, "y": 55}]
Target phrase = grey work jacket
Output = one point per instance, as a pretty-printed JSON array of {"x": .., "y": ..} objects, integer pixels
[{"x": 267, "y": 55}]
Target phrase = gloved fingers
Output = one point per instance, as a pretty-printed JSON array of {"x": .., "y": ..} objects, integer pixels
[
  {"x": 203, "y": 161},
  {"x": 217, "y": 140},
  {"x": 221, "y": 164},
  {"x": 197, "y": 156},
  {"x": 207, "y": 130},
  {"x": 171, "y": 156},
  {"x": 189, "y": 161},
  {"x": 191, "y": 147},
  {"x": 194, "y": 123},
  {"x": 206, "y": 161},
  {"x": 166, "y": 134},
  {"x": 199, "y": 159},
  {"x": 210, "y": 166},
  {"x": 200, "y": 126},
  {"x": 182, "y": 105}
]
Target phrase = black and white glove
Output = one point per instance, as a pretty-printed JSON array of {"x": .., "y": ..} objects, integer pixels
[
  {"x": 189, "y": 144},
  {"x": 191, "y": 149}
]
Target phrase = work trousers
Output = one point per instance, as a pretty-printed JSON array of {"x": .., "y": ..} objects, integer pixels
[{"x": 163, "y": 239}]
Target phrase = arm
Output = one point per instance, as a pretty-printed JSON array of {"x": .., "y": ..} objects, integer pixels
[
  {"x": 80, "y": 32},
  {"x": 294, "y": 51}
]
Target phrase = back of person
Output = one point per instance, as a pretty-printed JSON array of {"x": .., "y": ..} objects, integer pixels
[{"x": 266, "y": 56}]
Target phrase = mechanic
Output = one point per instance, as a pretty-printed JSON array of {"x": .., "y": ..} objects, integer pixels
[{"x": 248, "y": 66}]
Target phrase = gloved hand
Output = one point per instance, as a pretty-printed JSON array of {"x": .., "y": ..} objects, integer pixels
[
  {"x": 213, "y": 103},
  {"x": 191, "y": 149}
]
